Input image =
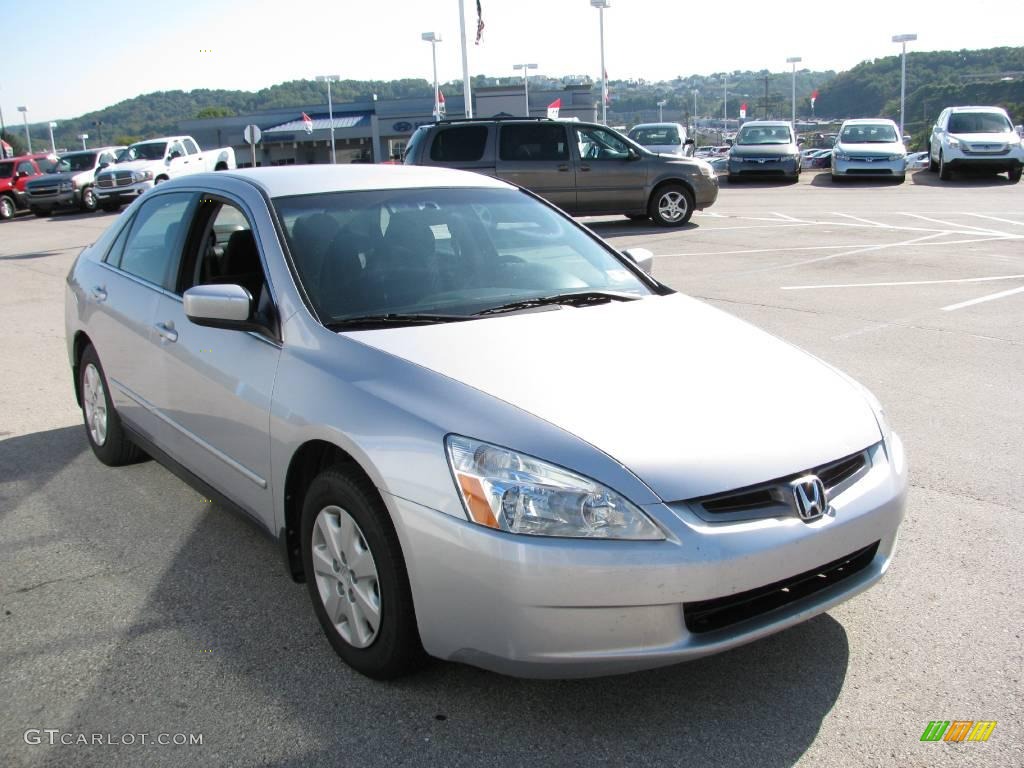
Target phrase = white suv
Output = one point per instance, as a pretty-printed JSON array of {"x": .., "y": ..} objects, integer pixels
[{"x": 975, "y": 137}]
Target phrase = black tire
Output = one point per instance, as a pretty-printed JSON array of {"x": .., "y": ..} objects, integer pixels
[
  {"x": 88, "y": 201},
  {"x": 115, "y": 449},
  {"x": 111, "y": 207},
  {"x": 682, "y": 198},
  {"x": 395, "y": 650},
  {"x": 7, "y": 207},
  {"x": 637, "y": 216},
  {"x": 944, "y": 173},
  {"x": 734, "y": 179},
  {"x": 901, "y": 179},
  {"x": 1014, "y": 174},
  {"x": 40, "y": 212},
  {"x": 932, "y": 165}
]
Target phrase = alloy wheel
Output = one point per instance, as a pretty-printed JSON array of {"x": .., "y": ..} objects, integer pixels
[
  {"x": 95, "y": 401},
  {"x": 672, "y": 206}
]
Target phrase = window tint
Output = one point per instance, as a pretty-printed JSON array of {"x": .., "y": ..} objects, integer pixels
[
  {"x": 190, "y": 147},
  {"x": 228, "y": 252},
  {"x": 154, "y": 246},
  {"x": 462, "y": 144},
  {"x": 600, "y": 144},
  {"x": 533, "y": 142},
  {"x": 113, "y": 256},
  {"x": 26, "y": 167},
  {"x": 176, "y": 148},
  {"x": 978, "y": 122}
]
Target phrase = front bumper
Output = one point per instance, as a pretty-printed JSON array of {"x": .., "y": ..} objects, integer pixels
[
  {"x": 69, "y": 199},
  {"x": 763, "y": 167},
  {"x": 705, "y": 192},
  {"x": 865, "y": 166},
  {"x": 122, "y": 194},
  {"x": 539, "y": 607},
  {"x": 995, "y": 163}
]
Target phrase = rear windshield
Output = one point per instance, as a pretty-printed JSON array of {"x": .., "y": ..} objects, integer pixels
[
  {"x": 863, "y": 133},
  {"x": 6, "y": 170},
  {"x": 414, "y": 144},
  {"x": 148, "y": 151},
  {"x": 978, "y": 122},
  {"x": 76, "y": 161}
]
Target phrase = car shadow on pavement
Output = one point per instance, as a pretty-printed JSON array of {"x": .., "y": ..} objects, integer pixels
[
  {"x": 221, "y": 642},
  {"x": 960, "y": 179},
  {"x": 609, "y": 230},
  {"x": 864, "y": 182}
]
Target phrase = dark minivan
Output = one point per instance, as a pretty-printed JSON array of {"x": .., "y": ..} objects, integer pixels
[{"x": 584, "y": 168}]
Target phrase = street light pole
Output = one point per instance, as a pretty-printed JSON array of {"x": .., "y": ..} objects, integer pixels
[
  {"x": 794, "y": 60},
  {"x": 83, "y": 137},
  {"x": 28, "y": 138},
  {"x": 53, "y": 146},
  {"x": 433, "y": 38},
  {"x": 904, "y": 39},
  {"x": 661, "y": 115},
  {"x": 467, "y": 96},
  {"x": 601, "y": 5},
  {"x": 526, "y": 82},
  {"x": 725, "y": 104},
  {"x": 330, "y": 110}
]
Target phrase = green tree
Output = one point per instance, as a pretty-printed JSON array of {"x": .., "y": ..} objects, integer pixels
[
  {"x": 126, "y": 139},
  {"x": 210, "y": 112},
  {"x": 17, "y": 142}
]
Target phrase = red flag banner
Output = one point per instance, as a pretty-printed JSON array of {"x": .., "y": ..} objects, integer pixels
[
  {"x": 553, "y": 108},
  {"x": 307, "y": 122}
]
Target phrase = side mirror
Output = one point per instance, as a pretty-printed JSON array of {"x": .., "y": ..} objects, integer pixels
[
  {"x": 642, "y": 257},
  {"x": 632, "y": 154},
  {"x": 101, "y": 166},
  {"x": 689, "y": 141},
  {"x": 22, "y": 174},
  {"x": 221, "y": 306},
  {"x": 800, "y": 140}
]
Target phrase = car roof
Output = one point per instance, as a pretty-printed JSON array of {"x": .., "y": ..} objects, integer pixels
[
  {"x": 869, "y": 121},
  {"x": 773, "y": 123},
  {"x": 656, "y": 125},
  {"x": 285, "y": 180},
  {"x": 979, "y": 109}
]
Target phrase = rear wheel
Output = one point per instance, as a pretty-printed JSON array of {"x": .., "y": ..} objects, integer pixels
[
  {"x": 7, "y": 207},
  {"x": 357, "y": 578},
  {"x": 671, "y": 205},
  {"x": 103, "y": 428}
]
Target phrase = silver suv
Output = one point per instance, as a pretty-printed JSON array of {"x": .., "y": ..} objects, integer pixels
[
  {"x": 979, "y": 138},
  {"x": 584, "y": 168}
]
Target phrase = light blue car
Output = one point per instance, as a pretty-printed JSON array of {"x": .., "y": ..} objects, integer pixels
[{"x": 869, "y": 147}]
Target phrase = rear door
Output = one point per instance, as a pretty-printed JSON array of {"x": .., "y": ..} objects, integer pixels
[
  {"x": 609, "y": 178},
  {"x": 466, "y": 147},
  {"x": 537, "y": 156}
]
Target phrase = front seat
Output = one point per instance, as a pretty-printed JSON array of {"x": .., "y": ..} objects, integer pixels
[{"x": 242, "y": 263}]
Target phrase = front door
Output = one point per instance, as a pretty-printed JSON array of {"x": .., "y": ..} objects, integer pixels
[
  {"x": 216, "y": 384},
  {"x": 536, "y": 156},
  {"x": 610, "y": 178}
]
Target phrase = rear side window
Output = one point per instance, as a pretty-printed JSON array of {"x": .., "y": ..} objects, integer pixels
[
  {"x": 533, "y": 142},
  {"x": 463, "y": 144}
]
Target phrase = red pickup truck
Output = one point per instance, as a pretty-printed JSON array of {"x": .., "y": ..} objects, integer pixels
[{"x": 14, "y": 175}]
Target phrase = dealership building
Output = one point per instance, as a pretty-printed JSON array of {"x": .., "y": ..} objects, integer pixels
[{"x": 369, "y": 131}]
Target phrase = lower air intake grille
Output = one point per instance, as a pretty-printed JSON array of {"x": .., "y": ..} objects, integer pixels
[{"x": 721, "y": 612}]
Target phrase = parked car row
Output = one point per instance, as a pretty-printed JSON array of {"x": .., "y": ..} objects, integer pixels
[{"x": 106, "y": 177}]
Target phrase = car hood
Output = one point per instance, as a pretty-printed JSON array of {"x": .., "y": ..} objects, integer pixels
[
  {"x": 763, "y": 150},
  {"x": 986, "y": 138},
  {"x": 131, "y": 165},
  {"x": 866, "y": 148},
  {"x": 690, "y": 399},
  {"x": 673, "y": 150},
  {"x": 49, "y": 179}
]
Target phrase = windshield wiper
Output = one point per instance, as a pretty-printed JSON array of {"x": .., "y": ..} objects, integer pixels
[
  {"x": 577, "y": 299},
  {"x": 393, "y": 318}
]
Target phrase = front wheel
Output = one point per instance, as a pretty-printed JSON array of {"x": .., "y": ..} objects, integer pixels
[
  {"x": 7, "y": 207},
  {"x": 357, "y": 578},
  {"x": 1014, "y": 174},
  {"x": 944, "y": 173},
  {"x": 88, "y": 203},
  {"x": 111, "y": 207},
  {"x": 103, "y": 427},
  {"x": 932, "y": 165},
  {"x": 671, "y": 205}
]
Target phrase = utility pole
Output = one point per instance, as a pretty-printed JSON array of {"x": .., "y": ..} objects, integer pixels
[{"x": 765, "y": 97}]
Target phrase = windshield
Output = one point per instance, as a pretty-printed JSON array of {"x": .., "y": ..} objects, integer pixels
[
  {"x": 6, "y": 170},
  {"x": 978, "y": 122},
  {"x": 148, "y": 151},
  {"x": 764, "y": 134},
  {"x": 76, "y": 161},
  {"x": 656, "y": 136},
  {"x": 865, "y": 133},
  {"x": 433, "y": 251}
]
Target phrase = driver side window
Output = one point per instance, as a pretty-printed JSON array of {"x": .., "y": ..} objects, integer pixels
[{"x": 600, "y": 144}]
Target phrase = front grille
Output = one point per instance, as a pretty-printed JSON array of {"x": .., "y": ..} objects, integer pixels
[
  {"x": 774, "y": 498},
  {"x": 869, "y": 159},
  {"x": 42, "y": 190},
  {"x": 721, "y": 612},
  {"x": 986, "y": 149},
  {"x": 869, "y": 171},
  {"x": 105, "y": 182}
]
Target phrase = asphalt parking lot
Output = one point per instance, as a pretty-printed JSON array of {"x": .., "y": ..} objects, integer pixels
[{"x": 131, "y": 605}]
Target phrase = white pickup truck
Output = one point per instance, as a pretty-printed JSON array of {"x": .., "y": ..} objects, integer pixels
[{"x": 146, "y": 163}]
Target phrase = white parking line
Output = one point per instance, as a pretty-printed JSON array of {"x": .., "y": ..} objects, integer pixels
[
  {"x": 904, "y": 282},
  {"x": 980, "y": 299},
  {"x": 917, "y": 244},
  {"x": 968, "y": 226},
  {"x": 865, "y": 221},
  {"x": 996, "y": 218}
]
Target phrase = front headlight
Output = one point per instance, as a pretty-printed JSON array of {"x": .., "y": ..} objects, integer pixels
[
  {"x": 897, "y": 157},
  {"x": 953, "y": 143},
  {"x": 883, "y": 422},
  {"x": 512, "y": 492},
  {"x": 838, "y": 154},
  {"x": 705, "y": 168},
  {"x": 138, "y": 176},
  {"x": 65, "y": 186}
]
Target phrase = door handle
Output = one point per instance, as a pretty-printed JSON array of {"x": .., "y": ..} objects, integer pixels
[
  {"x": 166, "y": 331},
  {"x": 98, "y": 293},
  {"x": 584, "y": 168},
  {"x": 563, "y": 167}
]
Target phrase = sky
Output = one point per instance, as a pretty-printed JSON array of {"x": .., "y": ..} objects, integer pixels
[{"x": 80, "y": 56}]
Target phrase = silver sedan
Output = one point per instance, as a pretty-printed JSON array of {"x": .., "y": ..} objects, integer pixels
[{"x": 459, "y": 413}]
